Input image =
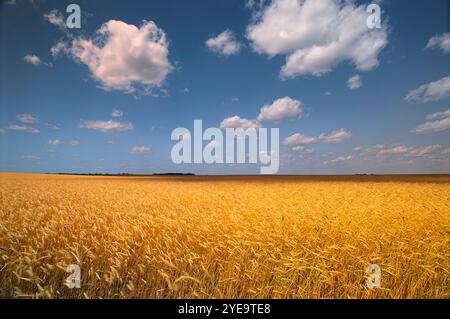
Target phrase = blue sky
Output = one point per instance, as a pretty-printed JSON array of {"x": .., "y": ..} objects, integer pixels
[{"x": 56, "y": 105}]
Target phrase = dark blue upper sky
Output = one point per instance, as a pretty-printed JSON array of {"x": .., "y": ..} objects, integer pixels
[{"x": 56, "y": 109}]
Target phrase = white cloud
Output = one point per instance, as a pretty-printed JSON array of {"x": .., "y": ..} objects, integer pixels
[
  {"x": 112, "y": 142},
  {"x": 33, "y": 59},
  {"x": 437, "y": 122},
  {"x": 60, "y": 48},
  {"x": 27, "y": 118},
  {"x": 441, "y": 41},
  {"x": 421, "y": 151},
  {"x": 297, "y": 139},
  {"x": 140, "y": 150},
  {"x": 340, "y": 159},
  {"x": 121, "y": 56},
  {"x": 60, "y": 142},
  {"x": 30, "y": 157},
  {"x": 394, "y": 150},
  {"x": 281, "y": 109},
  {"x": 433, "y": 126},
  {"x": 23, "y": 128},
  {"x": 36, "y": 61},
  {"x": 53, "y": 126},
  {"x": 302, "y": 150},
  {"x": 106, "y": 126},
  {"x": 401, "y": 151},
  {"x": 337, "y": 136},
  {"x": 116, "y": 113},
  {"x": 238, "y": 122},
  {"x": 327, "y": 93},
  {"x": 433, "y": 91},
  {"x": 354, "y": 82},
  {"x": 315, "y": 36},
  {"x": 251, "y": 4},
  {"x": 55, "y": 17},
  {"x": 224, "y": 44},
  {"x": 439, "y": 115}
]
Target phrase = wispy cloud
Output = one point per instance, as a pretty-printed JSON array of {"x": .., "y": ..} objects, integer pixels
[
  {"x": 441, "y": 41},
  {"x": 27, "y": 118},
  {"x": 61, "y": 142},
  {"x": 30, "y": 157},
  {"x": 106, "y": 126},
  {"x": 35, "y": 60},
  {"x": 23, "y": 128},
  {"x": 116, "y": 113},
  {"x": 354, "y": 82},
  {"x": 433, "y": 91},
  {"x": 334, "y": 137},
  {"x": 140, "y": 150},
  {"x": 437, "y": 122}
]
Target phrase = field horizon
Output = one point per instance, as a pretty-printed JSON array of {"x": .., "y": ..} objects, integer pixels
[{"x": 224, "y": 237}]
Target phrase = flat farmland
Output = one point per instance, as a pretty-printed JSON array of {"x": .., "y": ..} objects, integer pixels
[{"x": 224, "y": 237}]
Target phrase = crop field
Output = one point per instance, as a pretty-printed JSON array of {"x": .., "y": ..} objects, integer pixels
[{"x": 224, "y": 237}]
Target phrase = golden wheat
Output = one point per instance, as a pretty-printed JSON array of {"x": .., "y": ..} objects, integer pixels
[{"x": 246, "y": 237}]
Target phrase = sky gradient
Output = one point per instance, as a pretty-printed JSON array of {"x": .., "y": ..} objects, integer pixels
[{"x": 105, "y": 98}]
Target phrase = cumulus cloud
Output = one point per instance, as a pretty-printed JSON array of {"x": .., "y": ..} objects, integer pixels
[
  {"x": 441, "y": 41},
  {"x": 140, "y": 150},
  {"x": 116, "y": 113},
  {"x": 281, "y": 109},
  {"x": 315, "y": 36},
  {"x": 297, "y": 139},
  {"x": 122, "y": 56},
  {"x": 106, "y": 126},
  {"x": 224, "y": 44},
  {"x": 354, "y": 82},
  {"x": 60, "y": 48},
  {"x": 437, "y": 122},
  {"x": 23, "y": 128},
  {"x": 27, "y": 118},
  {"x": 55, "y": 17},
  {"x": 433, "y": 91},
  {"x": 61, "y": 142},
  {"x": 35, "y": 60},
  {"x": 238, "y": 122},
  {"x": 337, "y": 136}
]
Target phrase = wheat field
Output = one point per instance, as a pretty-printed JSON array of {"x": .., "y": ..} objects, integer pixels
[{"x": 224, "y": 237}]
